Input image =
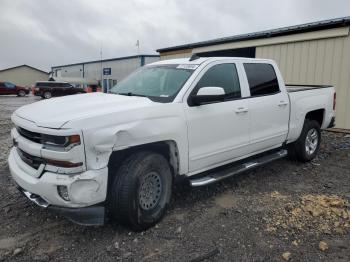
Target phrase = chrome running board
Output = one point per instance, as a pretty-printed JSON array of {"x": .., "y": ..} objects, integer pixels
[{"x": 212, "y": 177}]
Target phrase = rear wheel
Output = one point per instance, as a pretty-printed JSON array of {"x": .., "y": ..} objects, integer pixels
[
  {"x": 141, "y": 190},
  {"x": 21, "y": 93},
  {"x": 308, "y": 144},
  {"x": 47, "y": 95}
]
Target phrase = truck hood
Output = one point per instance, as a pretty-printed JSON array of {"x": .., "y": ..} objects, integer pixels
[{"x": 56, "y": 112}]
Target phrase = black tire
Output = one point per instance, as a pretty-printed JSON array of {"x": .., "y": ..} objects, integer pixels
[
  {"x": 126, "y": 204},
  {"x": 21, "y": 93},
  {"x": 299, "y": 149},
  {"x": 47, "y": 95}
]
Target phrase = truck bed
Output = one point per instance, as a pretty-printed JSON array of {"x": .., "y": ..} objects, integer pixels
[
  {"x": 308, "y": 98},
  {"x": 297, "y": 88}
]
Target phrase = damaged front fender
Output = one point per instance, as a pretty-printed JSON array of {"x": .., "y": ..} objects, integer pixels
[{"x": 101, "y": 143}]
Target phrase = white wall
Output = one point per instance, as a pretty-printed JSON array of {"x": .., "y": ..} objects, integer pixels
[
  {"x": 119, "y": 68},
  {"x": 316, "y": 62}
]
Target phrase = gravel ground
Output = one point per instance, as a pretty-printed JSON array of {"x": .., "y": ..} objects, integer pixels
[{"x": 283, "y": 211}]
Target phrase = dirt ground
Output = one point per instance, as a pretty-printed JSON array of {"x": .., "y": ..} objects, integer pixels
[{"x": 283, "y": 211}]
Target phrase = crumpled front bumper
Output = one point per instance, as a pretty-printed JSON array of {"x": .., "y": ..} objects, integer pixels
[
  {"x": 87, "y": 216},
  {"x": 87, "y": 191}
]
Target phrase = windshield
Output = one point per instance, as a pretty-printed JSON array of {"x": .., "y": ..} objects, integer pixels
[{"x": 159, "y": 83}]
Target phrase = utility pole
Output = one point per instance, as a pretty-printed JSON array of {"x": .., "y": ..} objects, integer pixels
[
  {"x": 138, "y": 46},
  {"x": 102, "y": 87}
]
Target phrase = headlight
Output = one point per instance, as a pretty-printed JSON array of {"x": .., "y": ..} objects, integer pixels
[{"x": 64, "y": 143}]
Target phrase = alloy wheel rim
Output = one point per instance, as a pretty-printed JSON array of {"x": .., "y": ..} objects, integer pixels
[
  {"x": 311, "y": 141},
  {"x": 150, "y": 191}
]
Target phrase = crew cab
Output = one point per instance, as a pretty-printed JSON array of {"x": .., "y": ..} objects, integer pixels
[
  {"x": 48, "y": 89},
  {"x": 199, "y": 120},
  {"x": 8, "y": 88}
]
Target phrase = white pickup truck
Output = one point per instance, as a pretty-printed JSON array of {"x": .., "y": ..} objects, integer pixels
[{"x": 117, "y": 155}]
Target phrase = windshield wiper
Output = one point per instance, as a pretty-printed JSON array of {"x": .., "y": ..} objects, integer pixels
[{"x": 129, "y": 94}]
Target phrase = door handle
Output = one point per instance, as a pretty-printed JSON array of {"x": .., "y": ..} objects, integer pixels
[
  {"x": 241, "y": 110},
  {"x": 282, "y": 103}
]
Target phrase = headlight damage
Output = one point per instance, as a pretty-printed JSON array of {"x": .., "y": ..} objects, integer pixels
[{"x": 63, "y": 142}]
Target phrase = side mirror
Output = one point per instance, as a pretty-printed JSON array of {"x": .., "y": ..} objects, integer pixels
[{"x": 208, "y": 94}]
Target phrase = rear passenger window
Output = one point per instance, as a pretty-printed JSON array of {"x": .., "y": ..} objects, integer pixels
[
  {"x": 223, "y": 75},
  {"x": 262, "y": 79}
]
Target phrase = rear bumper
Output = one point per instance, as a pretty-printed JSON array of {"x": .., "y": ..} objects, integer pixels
[{"x": 87, "y": 216}]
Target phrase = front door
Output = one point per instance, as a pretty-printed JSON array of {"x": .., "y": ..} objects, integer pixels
[
  {"x": 2, "y": 88},
  {"x": 10, "y": 89},
  {"x": 218, "y": 132},
  {"x": 105, "y": 85}
]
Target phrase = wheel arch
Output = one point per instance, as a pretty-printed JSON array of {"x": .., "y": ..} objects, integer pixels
[
  {"x": 167, "y": 148},
  {"x": 317, "y": 115}
]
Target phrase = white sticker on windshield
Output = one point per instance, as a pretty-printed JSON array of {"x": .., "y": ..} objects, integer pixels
[{"x": 189, "y": 67}]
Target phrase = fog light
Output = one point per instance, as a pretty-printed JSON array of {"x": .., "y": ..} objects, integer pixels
[{"x": 63, "y": 192}]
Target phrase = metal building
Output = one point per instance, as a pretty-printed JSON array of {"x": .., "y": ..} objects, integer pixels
[
  {"x": 110, "y": 71},
  {"x": 23, "y": 75},
  {"x": 313, "y": 53}
]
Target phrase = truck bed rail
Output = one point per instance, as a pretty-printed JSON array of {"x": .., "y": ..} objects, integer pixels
[{"x": 297, "y": 88}]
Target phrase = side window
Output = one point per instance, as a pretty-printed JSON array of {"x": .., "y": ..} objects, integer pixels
[
  {"x": 262, "y": 79},
  {"x": 222, "y": 75},
  {"x": 9, "y": 85}
]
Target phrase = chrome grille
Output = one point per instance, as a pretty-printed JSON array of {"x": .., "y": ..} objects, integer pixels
[
  {"x": 32, "y": 136},
  {"x": 30, "y": 160}
]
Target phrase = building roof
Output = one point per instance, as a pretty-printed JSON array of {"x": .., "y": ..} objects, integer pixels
[
  {"x": 107, "y": 60},
  {"x": 314, "y": 26},
  {"x": 10, "y": 68}
]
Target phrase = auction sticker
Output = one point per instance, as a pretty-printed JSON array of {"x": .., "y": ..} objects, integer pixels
[{"x": 188, "y": 67}]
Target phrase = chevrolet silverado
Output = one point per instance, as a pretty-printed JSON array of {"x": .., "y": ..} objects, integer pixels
[{"x": 117, "y": 155}]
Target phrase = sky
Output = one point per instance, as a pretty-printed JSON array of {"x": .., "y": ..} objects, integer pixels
[{"x": 45, "y": 33}]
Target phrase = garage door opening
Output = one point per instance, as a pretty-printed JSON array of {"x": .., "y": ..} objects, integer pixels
[{"x": 239, "y": 52}]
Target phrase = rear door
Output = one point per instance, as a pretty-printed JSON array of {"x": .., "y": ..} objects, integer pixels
[
  {"x": 269, "y": 107},
  {"x": 57, "y": 88},
  {"x": 218, "y": 132}
]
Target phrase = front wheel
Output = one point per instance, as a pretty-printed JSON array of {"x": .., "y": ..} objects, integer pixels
[
  {"x": 308, "y": 144},
  {"x": 47, "y": 95},
  {"x": 141, "y": 190},
  {"x": 21, "y": 93}
]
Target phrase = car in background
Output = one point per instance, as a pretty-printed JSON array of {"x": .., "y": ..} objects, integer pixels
[
  {"x": 48, "y": 89},
  {"x": 7, "y": 88}
]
